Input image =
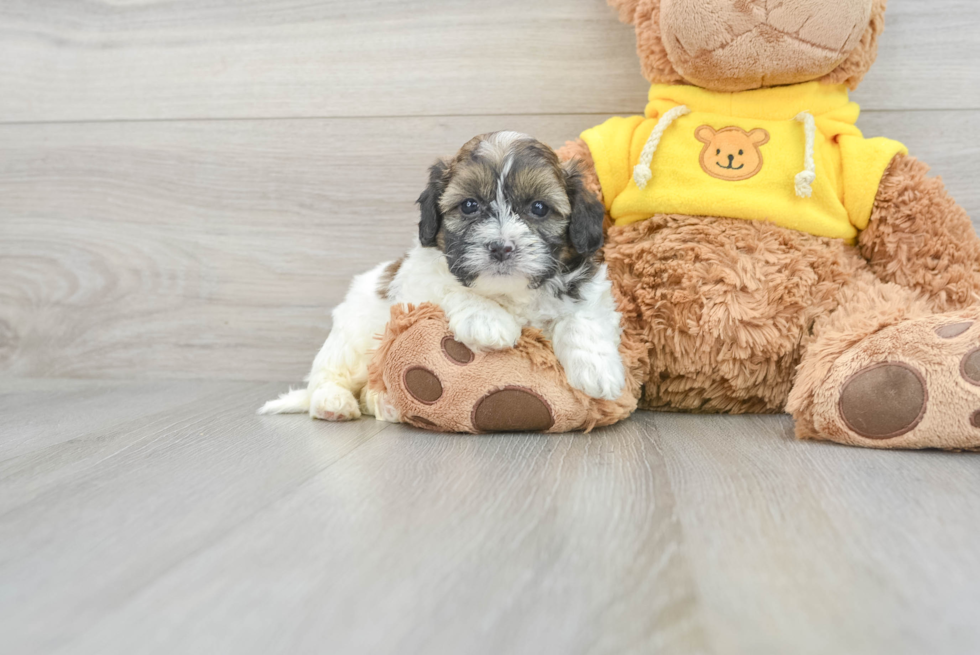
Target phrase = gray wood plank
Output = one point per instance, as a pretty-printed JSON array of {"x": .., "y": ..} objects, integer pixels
[
  {"x": 34, "y": 418},
  {"x": 87, "y": 523},
  {"x": 288, "y": 58},
  {"x": 64, "y": 61},
  {"x": 216, "y": 249},
  {"x": 926, "y": 57},
  {"x": 817, "y": 548},
  {"x": 204, "y": 249},
  {"x": 412, "y": 543},
  {"x": 207, "y": 529}
]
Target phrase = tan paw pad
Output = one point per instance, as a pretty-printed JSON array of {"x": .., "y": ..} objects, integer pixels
[
  {"x": 970, "y": 367},
  {"x": 456, "y": 352},
  {"x": 884, "y": 401},
  {"x": 512, "y": 409},
  {"x": 423, "y": 385},
  {"x": 953, "y": 330}
]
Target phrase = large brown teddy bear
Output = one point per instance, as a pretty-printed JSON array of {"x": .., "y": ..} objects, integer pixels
[{"x": 765, "y": 256}]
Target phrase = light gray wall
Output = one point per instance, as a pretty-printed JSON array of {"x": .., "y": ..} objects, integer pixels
[{"x": 186, "y": 187}]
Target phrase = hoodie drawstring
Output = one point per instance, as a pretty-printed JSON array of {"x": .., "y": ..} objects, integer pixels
[
  {"x": 806, "y": 177},
  {"x": 803, "y": 181},
  {"x": 641, "y": 172}
]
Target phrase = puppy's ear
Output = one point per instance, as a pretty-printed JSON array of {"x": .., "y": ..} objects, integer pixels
[
  {"x": 431, "y": 217},
  {"x": 587, "y": 215}
]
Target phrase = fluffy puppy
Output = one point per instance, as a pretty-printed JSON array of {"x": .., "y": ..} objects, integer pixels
[{"x": 508, "y": 237}]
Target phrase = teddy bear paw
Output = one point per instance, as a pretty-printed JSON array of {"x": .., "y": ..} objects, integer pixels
[
  {"x": 438, "y": 382},
  {"x": 912, "y": 385}
]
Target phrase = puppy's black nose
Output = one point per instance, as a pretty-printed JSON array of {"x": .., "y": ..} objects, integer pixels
[{"x": 500, "y": 250}]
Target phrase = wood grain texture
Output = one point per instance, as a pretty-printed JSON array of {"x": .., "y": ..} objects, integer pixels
[
  {"x": 204, "y": 249},
  {"x": 156, "y": 59},
  {"x": 288, "y": 58},
  {"x": 281, "y": 534},
  {"x": 201, "y": 527},
  {"x": 186, "y": 188},
  {"x": 813, "y": 548},
  {"x": 217, "y": 249},
  {"x": 89, "y": 519}
]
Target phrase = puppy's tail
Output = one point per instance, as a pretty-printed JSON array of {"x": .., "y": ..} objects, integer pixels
[{"x": 294, "y": 401}]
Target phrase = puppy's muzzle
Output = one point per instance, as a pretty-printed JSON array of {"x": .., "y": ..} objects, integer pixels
[{"x": 501, "y": 251}]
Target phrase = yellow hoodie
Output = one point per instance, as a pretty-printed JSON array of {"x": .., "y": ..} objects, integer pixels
[{"x": 790, "y": 155}]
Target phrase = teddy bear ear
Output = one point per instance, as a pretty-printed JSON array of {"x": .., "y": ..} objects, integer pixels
[
  {"x": 759, "y": 137},
  {"x": 626, "y": 9},
  {"x": 704, "y": 134},
  {"x": 644, "y": 16}
]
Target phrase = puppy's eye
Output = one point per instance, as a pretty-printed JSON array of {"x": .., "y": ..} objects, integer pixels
[
  {"x": 469, "y": 206},
  {"x": 539, "y": 209}
]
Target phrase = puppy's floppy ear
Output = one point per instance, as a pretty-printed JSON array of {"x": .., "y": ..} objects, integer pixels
[
  {"x": 430, "y": 215},
  {"x": 587, "y": 215}
]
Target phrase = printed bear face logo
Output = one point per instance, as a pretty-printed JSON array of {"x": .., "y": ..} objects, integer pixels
[{"x": 731, "y": 153}]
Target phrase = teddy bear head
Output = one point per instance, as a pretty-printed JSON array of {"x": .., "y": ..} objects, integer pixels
[{"x": 737, "y": 45}]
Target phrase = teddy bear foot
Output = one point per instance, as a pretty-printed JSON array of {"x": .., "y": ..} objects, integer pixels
[
  {"x": 912, "y": 385},
  {"x": 422, "y": 375}
]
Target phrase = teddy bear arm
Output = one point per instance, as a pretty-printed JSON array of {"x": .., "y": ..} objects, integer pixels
[{"x": 920, "y": 238}]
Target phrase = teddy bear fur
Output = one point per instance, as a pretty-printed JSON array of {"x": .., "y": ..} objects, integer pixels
[
  {"x": 741, "y": 316},
  {"x": 464, "y": 392}
]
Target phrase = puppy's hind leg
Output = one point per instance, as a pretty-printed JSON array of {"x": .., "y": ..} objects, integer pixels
[{"x": 340, "y": 370}]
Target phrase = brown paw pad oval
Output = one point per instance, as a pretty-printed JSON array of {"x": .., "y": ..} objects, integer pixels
[
  {"x": 975, "y": 419},
  {"x": 456, "y": 352},
  {"x": 953, "y": 330},
  {"x": 512, "y": 409},
  {"x": 423, "y": 385},
  {"x": 884, "y": 401},
  {"x": 970, "y": 367}
]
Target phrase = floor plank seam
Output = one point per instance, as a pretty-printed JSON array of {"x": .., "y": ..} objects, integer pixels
[
  {"x": 244, "y": 119},
  {"x": 230, "y": 530},
  {"x": 143, "y": 420}
]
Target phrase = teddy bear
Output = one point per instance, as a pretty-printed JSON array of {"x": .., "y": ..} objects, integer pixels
[{"x": 764, "y": 255}]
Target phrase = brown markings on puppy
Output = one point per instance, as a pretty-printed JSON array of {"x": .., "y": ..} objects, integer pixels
[
  {"x": 387, "y": 276},
  {"x": 504, "y": 178}
]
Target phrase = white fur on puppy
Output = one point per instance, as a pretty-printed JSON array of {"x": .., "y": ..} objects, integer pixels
[{"x": 523, "y": 255}]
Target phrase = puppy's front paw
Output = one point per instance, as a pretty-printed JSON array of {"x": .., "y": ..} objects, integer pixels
[
  {"x": 486, "y": 330},
  {"x": 600, "y": 375},
  {"x": 332, "y": 402}
]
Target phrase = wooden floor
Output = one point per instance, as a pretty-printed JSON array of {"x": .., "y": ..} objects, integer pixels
[
  {"x": 187, "y": 186},
  {"x": 166, "y": 517}
]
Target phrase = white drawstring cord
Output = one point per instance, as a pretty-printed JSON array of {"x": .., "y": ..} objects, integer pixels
[
  {"x": 641, "y": 172},
  {"x": 806, "y": 177}
]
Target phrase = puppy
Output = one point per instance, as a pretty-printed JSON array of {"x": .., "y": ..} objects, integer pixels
[{"x": 508, "y": 237}]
